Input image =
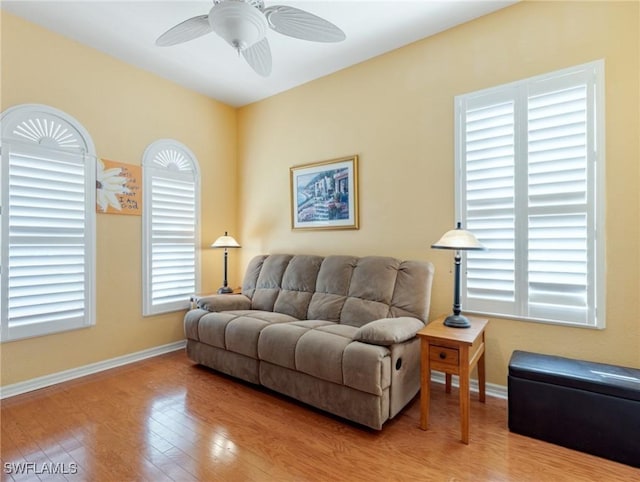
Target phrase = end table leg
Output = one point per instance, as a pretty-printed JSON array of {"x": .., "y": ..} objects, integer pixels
[
  {"x": 425, "y": 381},
  {"x": 464, "y": 394},
  {"x": 447, "y": 382},
  {"x": 481, "y": 378}
]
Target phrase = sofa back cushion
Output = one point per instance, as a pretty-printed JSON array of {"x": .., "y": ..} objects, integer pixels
[
  {"x": 370, "y": 291},
  {"x": 332, "y": 288},
  {"x": 345, "y": 289},
  {"x": 263, "y": 280},
  {"x": 298, "y": 286}
]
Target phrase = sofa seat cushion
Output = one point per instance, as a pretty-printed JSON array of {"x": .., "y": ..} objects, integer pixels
[
  {"x": 326, "y": 350},
  {"x": 238, "y": 331}
]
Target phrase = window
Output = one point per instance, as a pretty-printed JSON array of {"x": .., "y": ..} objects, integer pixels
[
  {"x": 170, "y": 235},
  {"x": 47, "y": 236},
  {"x": 530, "y": 185}
]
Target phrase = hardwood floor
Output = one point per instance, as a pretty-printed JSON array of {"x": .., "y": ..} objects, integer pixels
[{"x": 167, "y": 419}]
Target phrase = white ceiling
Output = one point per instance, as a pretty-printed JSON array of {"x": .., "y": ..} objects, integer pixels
[{"x": 127, "y": 30}]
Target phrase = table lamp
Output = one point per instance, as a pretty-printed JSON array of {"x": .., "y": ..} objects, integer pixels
[
  {"x": 225, "y": 242},
  {"x": 459, "y": 240}
]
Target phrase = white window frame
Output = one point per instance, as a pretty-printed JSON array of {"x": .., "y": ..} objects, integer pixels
[
  {"x": 592, "y": 76},
  {"x": 34, "y": 131},
  {"x": 168, "y": 160}
]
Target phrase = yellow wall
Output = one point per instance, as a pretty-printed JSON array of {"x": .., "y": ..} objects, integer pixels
[
  {"x": 396, "y": 112},
  {"x": 124, "y": 109}
]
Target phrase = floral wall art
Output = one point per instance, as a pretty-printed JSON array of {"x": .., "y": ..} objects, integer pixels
[{"x": 118, "y": 188}]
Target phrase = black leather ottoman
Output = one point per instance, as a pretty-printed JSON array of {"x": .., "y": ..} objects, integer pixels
[{"x": 591, "y": 407}]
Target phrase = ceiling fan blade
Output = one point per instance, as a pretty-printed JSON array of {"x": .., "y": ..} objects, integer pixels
[
  {"x": 188, "y": 30},
  {"x": 301, "y": 24},
  {"x": 258, "y": 56}
]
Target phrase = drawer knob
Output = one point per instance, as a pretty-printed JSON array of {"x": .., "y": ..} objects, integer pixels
[{"x": 442, "y": 355}]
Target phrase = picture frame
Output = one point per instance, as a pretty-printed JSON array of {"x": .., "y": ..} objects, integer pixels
[
  {"x": 324, "y": 195},
  {"x": 118, "y": 188}
]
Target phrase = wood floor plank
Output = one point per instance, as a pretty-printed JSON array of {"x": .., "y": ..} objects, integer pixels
[{"x": 166, "y": 419}]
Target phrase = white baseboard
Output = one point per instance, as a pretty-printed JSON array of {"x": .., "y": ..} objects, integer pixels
[
  {"x": 66, "y": 375},
  {"x": 491, "y": 389}
]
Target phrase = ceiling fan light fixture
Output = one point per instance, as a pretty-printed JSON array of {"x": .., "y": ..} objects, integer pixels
[{"x": 238, "y": 23}]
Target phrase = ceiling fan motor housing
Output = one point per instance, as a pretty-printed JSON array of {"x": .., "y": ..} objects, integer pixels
[{"x": 239, "y": 23}]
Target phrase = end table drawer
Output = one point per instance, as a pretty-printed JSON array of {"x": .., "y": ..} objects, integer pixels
[{"x": 444, "y": 355}]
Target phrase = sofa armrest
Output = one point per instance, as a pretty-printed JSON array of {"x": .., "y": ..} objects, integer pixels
[
  {"x": 224, "y": 302},
  {"x": 387, "y": 331}
]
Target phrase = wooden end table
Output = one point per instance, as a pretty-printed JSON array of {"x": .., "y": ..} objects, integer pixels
[{"x": 454, "y": 351}]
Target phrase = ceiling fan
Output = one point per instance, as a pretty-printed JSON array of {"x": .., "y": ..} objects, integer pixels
[{"x": 243, "y": 24}]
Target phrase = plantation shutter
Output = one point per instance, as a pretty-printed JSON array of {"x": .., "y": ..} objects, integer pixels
[
  {"x": 173, "y": 240},
  {"x": 527, "y": 175},
  {"x": 489, "y": 146},
  {"x": 557, "y": 204},
  {"x": 171, "y": 243},
  {"x": 47, "y": 226}
]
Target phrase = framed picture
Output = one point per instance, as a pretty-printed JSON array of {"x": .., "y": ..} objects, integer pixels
[{"x": 324, "y": 195}]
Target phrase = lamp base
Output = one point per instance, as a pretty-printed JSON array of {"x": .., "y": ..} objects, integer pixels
[
  {"x": 457, "y": 321},
  {"x": 225, "y": 290}
]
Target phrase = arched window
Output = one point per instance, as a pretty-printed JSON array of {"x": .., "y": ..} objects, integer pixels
[
  {"x": 170, "y": 220},
  {"x": 48, "y": 223}
]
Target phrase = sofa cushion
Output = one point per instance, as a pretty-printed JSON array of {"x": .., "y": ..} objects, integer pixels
[
  {"x": 388, "y": 331},
  {"x": 412, "y": 292},
  {"x": 326, "y": 306},
  {"x": 269, "y": 281},
  {"x": 319, "y": 353},
  {"x": 326, "y": 350},
  {"x": 357, "y": 312},
  {"x": 278, "y": 344},
  {"x": 250, "y": 281},
  {"x": 237, "y": 331},
  {"x": 332, "y": 288},
  {"x": 298, "y": 286},
  {"x": 370, "y": 291}
]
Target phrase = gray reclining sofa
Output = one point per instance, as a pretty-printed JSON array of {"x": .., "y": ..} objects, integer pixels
[{"x": 335, "y": 332}]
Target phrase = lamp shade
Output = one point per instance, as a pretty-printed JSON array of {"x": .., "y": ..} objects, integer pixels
[
  {"x": 225, "y": 241},
  {"x": 459, "y": 239},
  {"x": 239, "y": 23}
]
